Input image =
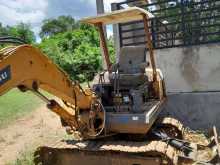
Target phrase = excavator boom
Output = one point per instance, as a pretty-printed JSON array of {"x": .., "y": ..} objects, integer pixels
[{"x": 27, "y": 68}]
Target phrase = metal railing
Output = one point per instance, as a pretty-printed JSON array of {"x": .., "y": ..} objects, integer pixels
[{"x": 176, "y": 23}]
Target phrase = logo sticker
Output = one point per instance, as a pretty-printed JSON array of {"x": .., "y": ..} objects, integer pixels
[
  {"x": 135, "y": 118},
  {"x": 5, "y": 75}
]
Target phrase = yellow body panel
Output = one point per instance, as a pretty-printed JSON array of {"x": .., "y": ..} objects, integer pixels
[{"x": 26, "y": 66}]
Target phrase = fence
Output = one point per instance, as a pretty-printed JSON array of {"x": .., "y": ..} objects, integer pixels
[{"x": 176, "y": 23}]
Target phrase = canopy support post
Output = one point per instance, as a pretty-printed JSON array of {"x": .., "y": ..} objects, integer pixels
[
  {"x": 150, "y": 46},
  {"x": 104, "y": 45}
]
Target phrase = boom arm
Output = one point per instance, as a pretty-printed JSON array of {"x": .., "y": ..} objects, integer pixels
[{"x": 27, "y": 68}]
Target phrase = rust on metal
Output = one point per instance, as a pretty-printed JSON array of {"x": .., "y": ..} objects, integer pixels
[
  {"x": 104, "y": 45},
  {"x": 150, "y": 46}
]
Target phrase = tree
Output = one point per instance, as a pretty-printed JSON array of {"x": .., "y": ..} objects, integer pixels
[
  {"x": 23, "y": 32},
  {"x": 77, "y": 52},
  {"x": 3, "y": 30},
  {"x": 20, "y": 30},
  {"x": 59, "y": 25}
]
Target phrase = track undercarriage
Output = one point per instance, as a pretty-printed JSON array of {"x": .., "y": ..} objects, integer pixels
[{"x": 115, "y": 150}]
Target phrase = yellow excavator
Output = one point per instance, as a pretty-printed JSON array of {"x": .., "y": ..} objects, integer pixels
[{"x": 116, "y": 121}]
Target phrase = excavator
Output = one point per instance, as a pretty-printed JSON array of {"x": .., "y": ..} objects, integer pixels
[{"x": 116, "y": 120}]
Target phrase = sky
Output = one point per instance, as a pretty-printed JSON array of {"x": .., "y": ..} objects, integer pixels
[{"x": 34, "y": 12}]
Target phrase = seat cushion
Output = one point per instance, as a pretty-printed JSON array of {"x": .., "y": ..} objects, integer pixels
[
  {"x": 131, "y": 59},
  {"x": 131, "y": 66}
]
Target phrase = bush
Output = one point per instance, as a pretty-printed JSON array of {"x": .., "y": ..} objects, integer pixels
[{"x": 76, "y": 52}]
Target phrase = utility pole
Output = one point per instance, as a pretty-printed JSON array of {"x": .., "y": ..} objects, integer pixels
[{"x": 100, "y": 7}]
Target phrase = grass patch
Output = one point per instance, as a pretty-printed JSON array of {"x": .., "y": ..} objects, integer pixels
[
  {"x": 25, "y": 158},
  {"x": 15, "y": 104}
]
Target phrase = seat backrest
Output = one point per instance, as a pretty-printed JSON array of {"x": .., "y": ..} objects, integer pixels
[{"x": 131, "y": 58}]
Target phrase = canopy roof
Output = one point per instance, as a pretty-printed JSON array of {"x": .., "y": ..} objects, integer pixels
[{"x": 119, "y": 16}]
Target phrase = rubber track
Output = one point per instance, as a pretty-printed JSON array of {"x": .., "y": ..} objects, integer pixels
[
  {"x": 169, "y": 121},
  {"x": 152, "y": 148}
]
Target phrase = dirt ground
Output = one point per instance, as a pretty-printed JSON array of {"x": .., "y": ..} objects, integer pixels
[
  {"x": 32, "y": 130},
  {"x": 37, "y": 128}
]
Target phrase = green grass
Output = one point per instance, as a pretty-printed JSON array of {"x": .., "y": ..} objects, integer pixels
[
  {"x": 15, "y": 104},
  {"x": 25, "y": 158}
]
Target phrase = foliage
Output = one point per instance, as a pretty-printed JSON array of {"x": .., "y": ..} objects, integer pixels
[
  {"x": 58, "y": 25},
  {"x": 20, "y": 30},
  {"x": 76, "y": 51},
  {"x": 111, "y": 50},
  {"x": 3, "y": 30},
  {"x": 73, "y": 46}
]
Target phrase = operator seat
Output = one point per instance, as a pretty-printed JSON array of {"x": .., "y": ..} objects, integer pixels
[{"x": 131, "y": 66}]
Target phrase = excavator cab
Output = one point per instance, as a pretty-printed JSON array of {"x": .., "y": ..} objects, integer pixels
[{"x": 131, "y": 92}]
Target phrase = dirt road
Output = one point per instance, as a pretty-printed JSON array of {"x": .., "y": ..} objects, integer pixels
[{"x": 32, "y": 130}]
